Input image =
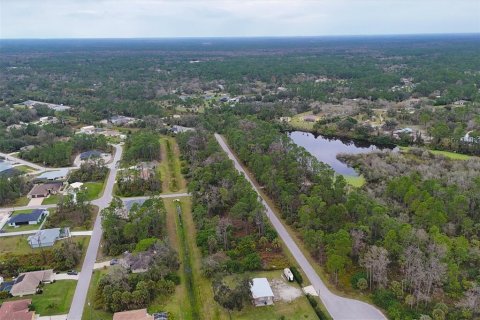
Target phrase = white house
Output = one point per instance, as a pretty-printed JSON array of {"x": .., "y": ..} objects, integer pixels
[
  {"x": 87, "y": 130},
  {"x": 262, "y": 294}
]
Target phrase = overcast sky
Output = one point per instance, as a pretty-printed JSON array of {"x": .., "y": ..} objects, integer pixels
[{"x": 212, "y": 18}]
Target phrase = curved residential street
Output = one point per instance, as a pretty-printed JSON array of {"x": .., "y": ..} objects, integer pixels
[{"x": 339, "y": 307}]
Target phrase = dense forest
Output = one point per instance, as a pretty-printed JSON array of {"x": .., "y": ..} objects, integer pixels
[
  {"x": 233, "y": 233},
  {"x": 141, "y": 230},
  {"x": 413, "y": 246}
]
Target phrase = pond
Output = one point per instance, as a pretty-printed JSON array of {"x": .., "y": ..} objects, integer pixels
[{"x": 327, "y": 149}]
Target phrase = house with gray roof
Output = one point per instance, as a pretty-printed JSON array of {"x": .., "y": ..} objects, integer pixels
[
  {"x": 54, "y": 175},
  {"x": 48, "y": 237},
  {"x": 138, "y": 262}
]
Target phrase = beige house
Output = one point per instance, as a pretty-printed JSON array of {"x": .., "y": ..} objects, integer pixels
[
  {"x": 140, "y": 314},
  {"x": 45, "y": 189},
  {"x": 27, "y": 283}
]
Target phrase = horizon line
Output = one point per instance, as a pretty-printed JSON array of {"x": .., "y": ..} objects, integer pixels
[{"x": 253, "y": 36}]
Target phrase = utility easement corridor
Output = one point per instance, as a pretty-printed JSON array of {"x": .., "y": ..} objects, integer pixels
[{"x": 339, "y": 307}]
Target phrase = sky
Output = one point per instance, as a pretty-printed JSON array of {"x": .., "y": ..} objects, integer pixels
[{"x": 233, "y": 18}]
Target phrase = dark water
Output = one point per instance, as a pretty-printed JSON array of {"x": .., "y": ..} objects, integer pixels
[{"x": 327, "y": 149}]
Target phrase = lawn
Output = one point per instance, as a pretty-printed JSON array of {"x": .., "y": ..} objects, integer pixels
[
  {"x": 24, "y": 169},
  {"x": 88, "y": 311},
  {"x": 19, "y": 244},
  {"x": 27, "y": 227},
  {"x": 94, "y": 190},
  {"x": 297, "y": 309},
  {"x": 356, "y": 182},
  {"x": 52, "y": 199},
  {"x": 55, "y": 299},
  {"x": 298, "y": 122},
  {"x": 19, "y": 202}
]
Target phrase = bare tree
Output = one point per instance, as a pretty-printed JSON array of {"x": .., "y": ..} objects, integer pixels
[{"x": 376, "y": 261}]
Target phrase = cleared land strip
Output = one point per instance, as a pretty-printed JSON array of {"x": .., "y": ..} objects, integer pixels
[{"x": 339, "y": 307}]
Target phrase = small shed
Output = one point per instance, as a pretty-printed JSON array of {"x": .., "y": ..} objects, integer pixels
[{"x": 262, "y": 294}]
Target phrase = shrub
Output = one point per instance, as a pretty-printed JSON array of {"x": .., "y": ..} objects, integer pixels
[{"x": 357, "y": 276}]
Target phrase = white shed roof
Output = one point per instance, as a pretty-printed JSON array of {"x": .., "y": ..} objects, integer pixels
[{"x": 260, "y": 288}]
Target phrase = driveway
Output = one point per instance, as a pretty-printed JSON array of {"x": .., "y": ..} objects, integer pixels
[
  {"x": 81, "y": 233},
  {"x": 35, "y": 202},
  {"x": 339, "y": 307},
  {"x": 101, "y": 265},
  {"x": 64, "y": 276}
]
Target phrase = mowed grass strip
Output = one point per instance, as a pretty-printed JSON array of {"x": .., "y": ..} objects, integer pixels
[{"x": 170, "y": 166}]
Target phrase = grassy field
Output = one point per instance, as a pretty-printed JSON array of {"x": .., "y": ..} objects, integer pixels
[
  {"x": 19, "y": 202},
  {"x": 55, "y": 299},
  {"x": 300, "y": 124},
  {"x": 88, "y": 311},
  {"x": 24, "y": 169},
  {"x": 447, "y": 154},
  {"x": 94, "y": 190},
  {"x": 170, "y": 167},
  {"x": 296, "y": 309},
  {"x": 52, "y": 199},
  {"x": 19, "y": 244},
  {"x": 356, "y": 182}
]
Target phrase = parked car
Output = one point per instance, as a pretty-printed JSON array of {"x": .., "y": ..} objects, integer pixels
[
  {"x": 72, "y": 273},
  {"x": 113, "y": 262}
]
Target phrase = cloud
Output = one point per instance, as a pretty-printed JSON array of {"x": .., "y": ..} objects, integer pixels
[{"x": 173, "y": 18}]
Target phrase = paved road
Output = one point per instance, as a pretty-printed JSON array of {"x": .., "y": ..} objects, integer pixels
[
  {"x": 168, "y": 195},
  {"x": 339, "y": 307},
  {"x": 45, "y": 206},
  {"x": 80, "y": 295},
  {"x": 18, "y": 160},
  {"x": 17, "y": 233}
]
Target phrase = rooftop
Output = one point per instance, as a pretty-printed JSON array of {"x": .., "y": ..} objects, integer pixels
[
  {"x": 56, "y": 174},
  {"x": 260, "y": 288},
  {"x": 140, "y": 314},
  {"x": 90, "y": 154},
  {"x": 41, "y": 189},
  {"x": 16, "y": 310},
  {"x": 26, "y": 283},
  {"x": 26, "y": 217},
  {"x": 47, "y": 237}
]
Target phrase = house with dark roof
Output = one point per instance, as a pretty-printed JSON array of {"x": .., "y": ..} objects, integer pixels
[
  {"x": 90, "y": 154},
  {"x": 34, "y": 217},
  {"x": 17, "y": 310},
  {"x": 43, "y": 190}
]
